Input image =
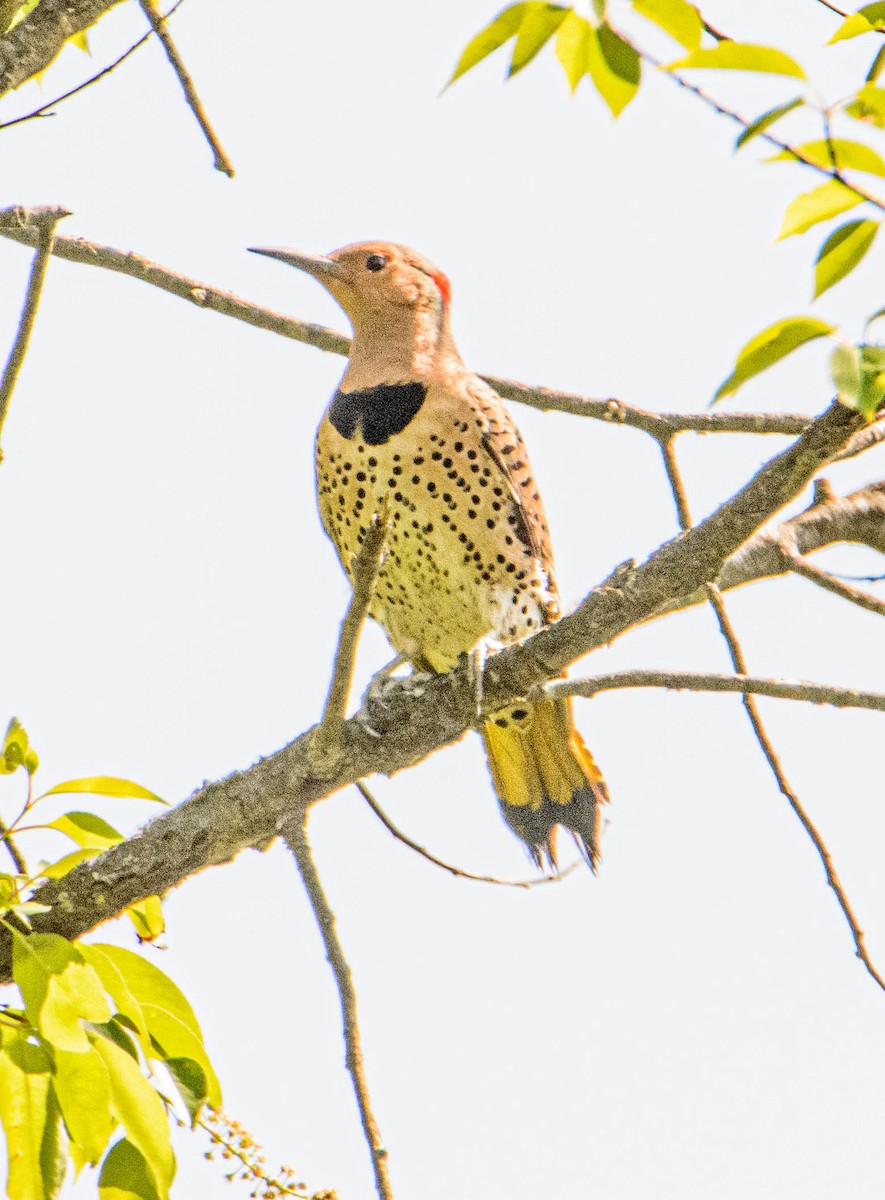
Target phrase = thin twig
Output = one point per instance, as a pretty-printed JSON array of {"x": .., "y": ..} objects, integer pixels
[
  {"x": 833, "y": 8},
  {"x": 795, "y": 153},
  {"x": 48, "y": 222},
  {"x": 714, "y": 32},
  {"x": 612, "y": 411},
  {"x": 700, "y": 681},
  {"x": 830, "y": 583},
  {"x": 222, "y": 162},
  {"x": 837, "y": 696},
  {"x": 676, "y": 485},
  {"x": 81, "y": 87},
  {"x": 296, "y": 839},
  {"x": 438, "y": 862},
  {"x": 21, "y": 866},
  {"x": 364, "y": 570},
  {"x": 740, "y": 666}
]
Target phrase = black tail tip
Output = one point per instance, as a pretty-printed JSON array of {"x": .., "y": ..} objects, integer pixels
[{"x": 537, "y": 828}]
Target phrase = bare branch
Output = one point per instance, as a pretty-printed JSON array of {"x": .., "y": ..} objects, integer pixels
[
  {"x": 677, "y": 487},
  {"x": 438, "y": 862},
  {"x": 49, "y": 218},
  {"x": 779, "y": 687},
  {"x": 701, "y": 681},
  {"x": 296, "y": 839},
  {"x": 158, "y": 23},
  {"x": 81, "y": 87},
  {"x": 771, "y": 757},
  {"x": 858, "y": 517},
  {"x": 15, "y": 226},
  {"x": 658, "y": 425},
  {"x": 364, "y": 571},
  {"x": 830, "y": 583}
]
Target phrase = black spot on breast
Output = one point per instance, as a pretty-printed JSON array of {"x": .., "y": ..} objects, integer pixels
[{"x": 378, "y": 412}]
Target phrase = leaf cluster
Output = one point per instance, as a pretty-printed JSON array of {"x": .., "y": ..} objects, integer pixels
[
  {"x": 592, "y": 47},
  {"x": 102, "y": 1043}
]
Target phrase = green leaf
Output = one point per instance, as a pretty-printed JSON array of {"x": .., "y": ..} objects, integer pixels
[
  {"x": 614, "y": 67},
  {"x": 113, "y": 1030},
  {"x": 868, "y": 105},
  {"x": 106, "y": 785},
  {"x": 59, "y": 869},
  {"x": 769, "y": 346},
  {"x": 173, "y": 1039},
  {"x": 149, "y": 986},
  {"x": 24, "y": 1098},
  {"x": 740, "y": 56},
  {"x": 502, "y": 29},
  {"x": 823, "y": 202},
  {"x": 677, "y": 17},
  {"x": 767, "y": 119},
  {"x": 572, "y": 47},
  {"x": 87, "y": 830},
  {"x": 17, "y": 750},
  {"x": 140, "y": 1111},
  {"x": 848, "y": 154},
  {"x": 59, "y": 989},
  {"x": 84, "y": 1093},
  {"x": 118, "y": 989},
  {"x": 190, "y": 1080},
  {"x": 53, "y": 1150},
  {"x": 841, "y": 253},
  {"x": 125, "y": 1175},
  {"x": 865, "y": 20},
  {"x": 535, "y": 32},
  {"x": 859, "y": 375},
  {"x": 147, "y": 917}
]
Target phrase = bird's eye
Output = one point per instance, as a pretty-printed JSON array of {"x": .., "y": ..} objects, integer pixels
[{"x": 376, "y": 262}]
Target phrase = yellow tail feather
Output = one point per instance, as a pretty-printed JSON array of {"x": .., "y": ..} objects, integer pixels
[{"x": 545, "y": 776}]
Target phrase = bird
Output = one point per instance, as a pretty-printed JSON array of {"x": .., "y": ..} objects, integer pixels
[{"x": 413, "y": 433}]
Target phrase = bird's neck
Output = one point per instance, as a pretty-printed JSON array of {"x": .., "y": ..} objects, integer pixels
[{"x": 400, "y": 347}]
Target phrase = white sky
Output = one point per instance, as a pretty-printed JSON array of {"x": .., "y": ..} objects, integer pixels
[{"x": 690, "y": 1024}]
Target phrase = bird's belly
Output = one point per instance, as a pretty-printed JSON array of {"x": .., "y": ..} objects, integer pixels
[{"x": 454, "y": 571}]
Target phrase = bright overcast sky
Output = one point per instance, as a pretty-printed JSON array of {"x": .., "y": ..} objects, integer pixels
[{"x": 690, "y": 1024}]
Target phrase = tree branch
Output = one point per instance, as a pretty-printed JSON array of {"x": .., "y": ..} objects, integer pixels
[
  {"x": 777, "y": 770},
  {"x": 403, "y": 720},
  {"x": 364, "y": 571},
  {"x": 48, "y": 220},
  {"x": 296, "y": 839},
  {"x": 858, "y": 517},
  {"x": 158, "y": 24},
  {"x": 81, "y": 87},
  {"x": 701, "y": 681},
  {"x": 438, "y": 862},
  {"x": 14, "y": 224}
]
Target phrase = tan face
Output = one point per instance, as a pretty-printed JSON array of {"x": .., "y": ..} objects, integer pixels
[{"x": 370, "y": 277}]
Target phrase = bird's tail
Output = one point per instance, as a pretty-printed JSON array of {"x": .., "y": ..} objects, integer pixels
[{"x": 545, "y": 776}]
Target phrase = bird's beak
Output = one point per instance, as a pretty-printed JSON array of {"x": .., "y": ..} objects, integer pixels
[{"x": 318, "y": 265}]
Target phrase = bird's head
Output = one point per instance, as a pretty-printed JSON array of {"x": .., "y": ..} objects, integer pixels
[{"x": 389, "y": 292}]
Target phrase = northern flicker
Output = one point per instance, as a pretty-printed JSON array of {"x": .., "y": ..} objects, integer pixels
[{"x": 412, "y": 432}]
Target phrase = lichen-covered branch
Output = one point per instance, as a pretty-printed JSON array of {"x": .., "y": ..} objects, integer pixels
[
  {"x": 32, "y": 45},
  {"x": 403, "y": 720}
]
